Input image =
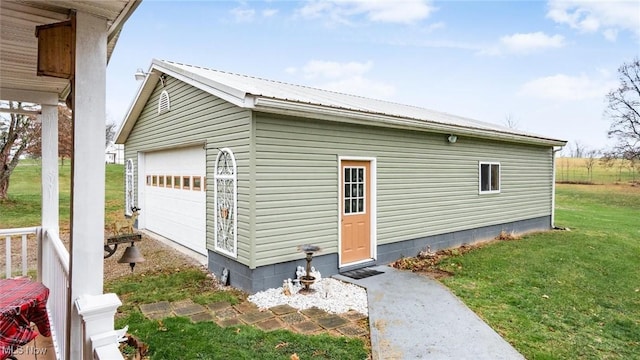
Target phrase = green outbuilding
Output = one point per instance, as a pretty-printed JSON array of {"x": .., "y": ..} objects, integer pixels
[{"x": 243, "y": 170}]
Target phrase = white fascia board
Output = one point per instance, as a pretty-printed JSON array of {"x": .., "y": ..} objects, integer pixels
[
  {"x": 227, "y": 93},
  {"x": 117, "y": 24},
  {"x": 282, "y": 107}
]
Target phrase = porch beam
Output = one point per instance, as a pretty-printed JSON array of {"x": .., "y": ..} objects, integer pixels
[
  {"x": 20, "y": 111},
  {"x": 35, "y": 97},
  {"x": 88, "y": 172}
]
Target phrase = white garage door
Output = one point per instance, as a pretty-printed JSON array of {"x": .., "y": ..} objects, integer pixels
[{"x": 175, "y": 197}]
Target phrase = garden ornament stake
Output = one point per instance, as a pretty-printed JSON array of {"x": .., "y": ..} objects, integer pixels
[{"x": 306, "y": 280}]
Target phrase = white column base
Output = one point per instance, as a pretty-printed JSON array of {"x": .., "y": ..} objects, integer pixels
[{"x": 97, "y": 312}]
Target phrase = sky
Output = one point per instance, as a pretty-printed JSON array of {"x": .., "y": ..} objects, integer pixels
[{"x": 543, "y": 66}]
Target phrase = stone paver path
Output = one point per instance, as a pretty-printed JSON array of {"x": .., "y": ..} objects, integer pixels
[{"x": 309, "y": 321}]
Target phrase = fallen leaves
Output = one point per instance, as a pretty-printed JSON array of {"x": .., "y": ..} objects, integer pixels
[{"x": 161, "y": 326}]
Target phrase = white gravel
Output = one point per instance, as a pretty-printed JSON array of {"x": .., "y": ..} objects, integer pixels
[{"x": 331, "y": 295}]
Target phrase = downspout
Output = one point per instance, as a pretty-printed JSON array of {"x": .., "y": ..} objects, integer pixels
[{"x": 553, "y": 186}]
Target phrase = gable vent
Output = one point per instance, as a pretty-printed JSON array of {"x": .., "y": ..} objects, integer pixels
[{"x": 164, "y": 105}]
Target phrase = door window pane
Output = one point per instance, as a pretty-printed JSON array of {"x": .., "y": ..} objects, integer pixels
[{"x": 354, "y": 190}]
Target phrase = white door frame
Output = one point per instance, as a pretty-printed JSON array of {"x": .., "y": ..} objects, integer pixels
[{"x": 373, "y": 204}]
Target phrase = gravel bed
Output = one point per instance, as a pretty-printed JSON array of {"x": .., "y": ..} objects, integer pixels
[{"x": 331, "y": 295}]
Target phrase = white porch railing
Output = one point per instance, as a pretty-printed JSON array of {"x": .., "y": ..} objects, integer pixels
[
  {"x": 53, "y": 272},
  {"x": 9, "y": 234},
  {"x": 96, "y": 313},
  {"x": 55, "y": 259}
]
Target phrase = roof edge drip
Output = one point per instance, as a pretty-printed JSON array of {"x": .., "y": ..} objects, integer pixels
[{"x": 276, "y": 106}]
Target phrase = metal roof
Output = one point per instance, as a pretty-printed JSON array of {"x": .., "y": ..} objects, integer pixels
[
  {"x": 19, "y": 45},
  {"x": 278, "y": 97}
]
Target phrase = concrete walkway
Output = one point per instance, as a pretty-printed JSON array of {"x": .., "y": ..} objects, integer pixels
[{"x": 414, "y": 317}]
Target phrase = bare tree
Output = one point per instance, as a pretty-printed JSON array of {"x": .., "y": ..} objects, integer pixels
[
  {"x": 578, "y": 149},
  {"x": 510, "y": 121},
  {"x": 65, "y": 136},
  {"x": 18, "y": 132},
  {"x": 624, "y": 110},
  {"x": 110, "y": 133},
  {"x": 609, "y": 159},
  {"x": 65, "y": 133},
  {"x": 591, "y": 156}
]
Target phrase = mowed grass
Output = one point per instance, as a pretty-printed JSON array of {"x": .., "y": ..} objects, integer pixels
[
  {"x": 564, "y": 294},
  {"x": 24, "y": 206}
]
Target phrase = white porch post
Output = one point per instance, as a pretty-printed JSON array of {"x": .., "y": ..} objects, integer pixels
[
  {"x": 88, "y": 172},
  {"x": 50, "y": 207}
]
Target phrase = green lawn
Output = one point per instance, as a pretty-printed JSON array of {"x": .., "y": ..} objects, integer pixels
[
  {"x": 564, "y": 294},
  {"x": 24, "y": 204}
]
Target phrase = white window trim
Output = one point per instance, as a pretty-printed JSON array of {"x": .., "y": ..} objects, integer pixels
[
  {"x": 164, "y": 100},
  {"x": 233, "y": 177},
  {"x": 480, "y": 191},
  {"x": 373, "y": 206},
  {"x": 129, "y": 198}
]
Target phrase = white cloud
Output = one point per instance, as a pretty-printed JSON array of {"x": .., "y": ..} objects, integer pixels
[
  {"x": 348, "y": 77},
  {"x": 592, "y": 16},
  {"x": 531, "y": 42},
  {"x": 388, "y": 11},
  {"x": 247, "y": 14},
  {"x": 243, "y": 14},
  {"x": 269, "y": 12},
  {"x": 523, "y": 43},
  {"x": 567, "y": 88}
]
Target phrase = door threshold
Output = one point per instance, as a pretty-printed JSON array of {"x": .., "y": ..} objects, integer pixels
[{"x": 356, "y": 265}]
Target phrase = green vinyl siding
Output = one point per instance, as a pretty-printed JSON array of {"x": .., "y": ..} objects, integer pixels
[
  {"x": 425, "y": 186},
  {"x": 197, "y": 117}
]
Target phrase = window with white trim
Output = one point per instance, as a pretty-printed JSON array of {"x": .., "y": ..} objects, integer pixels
[
  {"x": 129, "y": 188},
  {"x": 164, "y": 104},
  {"x": 225, "y": 189},
  {"x": 489, "y": 174}
]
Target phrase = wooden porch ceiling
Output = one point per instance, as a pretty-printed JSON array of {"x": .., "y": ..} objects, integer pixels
[{"x": 18, "y": 43}]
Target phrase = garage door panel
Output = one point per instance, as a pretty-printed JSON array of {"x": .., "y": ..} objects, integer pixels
[{"x": 176, "y": 213}]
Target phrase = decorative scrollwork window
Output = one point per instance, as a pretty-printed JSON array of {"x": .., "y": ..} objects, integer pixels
[
  {"x": 225, "y": 189},
  {"x": 129, "y": 188}
]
